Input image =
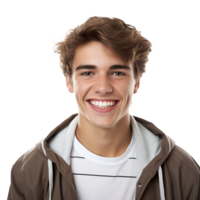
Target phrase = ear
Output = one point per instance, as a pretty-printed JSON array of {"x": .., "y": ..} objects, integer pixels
[
  {"x": 69, "y": 84},
  {"x": 137, "y": 84}
]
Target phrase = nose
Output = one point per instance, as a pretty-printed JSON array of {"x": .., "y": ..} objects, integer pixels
[{"x": 103, "y": 85}]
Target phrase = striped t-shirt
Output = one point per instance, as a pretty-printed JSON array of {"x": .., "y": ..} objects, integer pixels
[{"x": 102, "y": 178}]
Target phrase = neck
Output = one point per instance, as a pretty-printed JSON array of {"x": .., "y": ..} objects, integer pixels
[{"x": 105, "y": 142}]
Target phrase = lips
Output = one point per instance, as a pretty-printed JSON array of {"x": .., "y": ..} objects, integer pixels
[{"x": 103, "y": 110}]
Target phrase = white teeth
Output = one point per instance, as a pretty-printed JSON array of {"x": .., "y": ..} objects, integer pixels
[{"x": 103, "y": 104}]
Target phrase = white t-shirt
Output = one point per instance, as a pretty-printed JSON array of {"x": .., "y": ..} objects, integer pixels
[{"x": 102, "y": 178}]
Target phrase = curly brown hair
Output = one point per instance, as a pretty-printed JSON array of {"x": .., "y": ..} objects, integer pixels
[{"x": 123, "y": 39}]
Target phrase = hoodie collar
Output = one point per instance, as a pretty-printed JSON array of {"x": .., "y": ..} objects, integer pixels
[{"x": 152, "y": 145}]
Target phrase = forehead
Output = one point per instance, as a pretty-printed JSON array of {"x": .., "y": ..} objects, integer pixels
[{"x": 95, "y": 53}]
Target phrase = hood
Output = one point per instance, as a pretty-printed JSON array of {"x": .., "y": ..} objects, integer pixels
[{"x": 152, "y": 149}]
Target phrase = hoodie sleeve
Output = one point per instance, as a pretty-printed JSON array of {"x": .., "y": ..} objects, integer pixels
[
  {"x": 29, "y": 177},
  {"x": 16, "y": 189},
  {"x": 192, "y": 191}
]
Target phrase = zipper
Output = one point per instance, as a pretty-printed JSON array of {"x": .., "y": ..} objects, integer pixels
[{"x": 72, "y": 187}]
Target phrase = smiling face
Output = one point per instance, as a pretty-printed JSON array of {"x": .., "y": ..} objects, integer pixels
[{"x": 100, "y": 75}]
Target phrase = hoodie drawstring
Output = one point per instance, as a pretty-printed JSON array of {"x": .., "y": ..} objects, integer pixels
[
  {"x": 50, "y": 178},
  {"x": 50, "y": 168},
  {"x": 162, "y": 190}
]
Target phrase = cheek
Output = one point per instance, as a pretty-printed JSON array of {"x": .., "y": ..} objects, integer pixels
[
  {"x": 130, "y": 86},
  {"x": 81, "y": 90},
  {"x": 125, "y": 88}
]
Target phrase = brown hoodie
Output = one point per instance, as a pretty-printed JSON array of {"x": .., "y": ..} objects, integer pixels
[{"x": 165, "y": 171}]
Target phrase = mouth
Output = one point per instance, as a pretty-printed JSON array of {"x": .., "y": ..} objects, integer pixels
[{"x": 102, "y": 103}]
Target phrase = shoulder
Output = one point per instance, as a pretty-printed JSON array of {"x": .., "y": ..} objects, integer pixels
[
  {"x": 181, "y": 163},
  {"x": 30, "y": 165}
]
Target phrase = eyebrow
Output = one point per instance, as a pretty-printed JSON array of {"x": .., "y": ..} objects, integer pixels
[{"x": 94, "y": 67}]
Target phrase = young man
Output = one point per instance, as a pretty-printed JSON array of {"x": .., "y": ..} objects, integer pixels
[{"x": 103, "y": 152}]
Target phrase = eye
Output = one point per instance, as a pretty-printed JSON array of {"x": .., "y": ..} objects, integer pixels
[
  {"x": 86, "y": 73},
  {"x": 122, "y": 74}
]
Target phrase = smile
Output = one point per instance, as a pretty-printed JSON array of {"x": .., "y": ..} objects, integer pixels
[{"x": 103, "y": 106}]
